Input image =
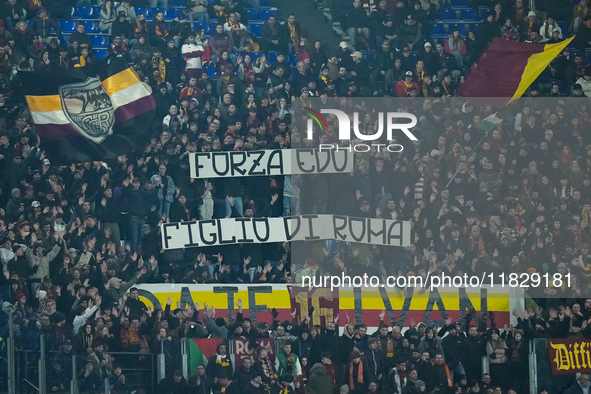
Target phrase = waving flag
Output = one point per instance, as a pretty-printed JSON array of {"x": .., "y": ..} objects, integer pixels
[
  {"x": 507, "y": 69},
  {"x": 96, "y": 112}
]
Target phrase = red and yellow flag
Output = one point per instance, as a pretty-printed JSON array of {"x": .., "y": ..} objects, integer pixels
[{"x": 507, "y": 69}]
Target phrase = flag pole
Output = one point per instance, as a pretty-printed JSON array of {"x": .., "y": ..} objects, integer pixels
[{"x": 470, "y": 155}]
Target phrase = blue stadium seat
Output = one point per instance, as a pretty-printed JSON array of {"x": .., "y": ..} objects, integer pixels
[
  {"x": 210, "y": 70},
  {"x": 255, "y": 55},
  {"x": 460, "y": 3},
  {"x": 563, "y": 26},
  {"x": 69, "y": 11},
  {"x": 252, "y": 14},
  {"x": 100, "y": 53},
  {"x": 292, "y": 59},
  {"x": 85, "y": 12},
  {"x": 68, "y": 26},
  {"x": 265, "y": 14},
  {"x": 160, "y": 9},
  {"x": 272, "y": 58},
  {"x": 460, "y": 26},
  {"x": 99, "y": 40},
  {"x": 415, "y": 56},
  {"x": 448, "y": 15},
  {"x": 469, "y": 15},
  {"x": 174, "y": 12},
  {"x": 483, "y": 12},
  {"x": 204, "y": 25},
  {"x": 370, "y": 57},
  {"x": 474, "y": 26},
  {"x": 256, "y": 29},
  {"x": 143, "y": 10},
  {"x": 437, "y": 30},
  {"x": 90, "y": 26}
]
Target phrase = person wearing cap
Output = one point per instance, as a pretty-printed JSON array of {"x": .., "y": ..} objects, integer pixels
[
  {"x": 89, "y": 380},
  {"x": 454, "y": 346},
  {"x": 375, "y": 360},
  {"x": 357, "y": 23},
  {"x": 255, "y": 386},
  {"x": 410, "y": 33},
  {"x": 360, "y": 73},
  {"x": 403, "y": 87},
  {"x": 496, "y": 349}
]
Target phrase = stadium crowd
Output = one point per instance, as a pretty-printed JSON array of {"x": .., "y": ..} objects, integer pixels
[{"x": 75, "y": 240}]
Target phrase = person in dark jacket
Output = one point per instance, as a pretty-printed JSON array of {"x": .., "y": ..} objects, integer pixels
[
  {"x": 121, "y": 27},
  {"x": 454, "y": 346},
  {"x": 41, "y": 25},
  {"x": 200, "y": 383},
  {"x": 159, "y": 31},
  {"x": 174, "y": 384},
  {"x": 475, "y": 349},
  {"x": 272, "y": 37},
  {"x": 219, "y": 364},
  {"x": 228, "y": 385},
  {"x": 81, "y": 36},
  {"x": 375, "y": 360},
  {"x": 245, "y": 374},
  {"x": 319, "y": 382},
  {"x": 357, "y": 373},
  {"x": 13, "y": 13}
]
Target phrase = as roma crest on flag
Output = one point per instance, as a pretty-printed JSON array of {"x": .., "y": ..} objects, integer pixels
[
  {"x": 90, "y": 109},
  {"x": 90, "y": 113}
]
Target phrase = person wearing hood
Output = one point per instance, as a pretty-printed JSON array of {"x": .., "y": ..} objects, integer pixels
[
  {"x": 431, "y": 343},
  {"x": 42, "y": 24},
  {"x": 347, "y": 342},
  {"x": 219, "y": 364},
  {"x": 319, "y": 382}
]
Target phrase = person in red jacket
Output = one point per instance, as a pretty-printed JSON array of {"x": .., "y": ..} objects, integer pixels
[{"x": 404, "y": 87}]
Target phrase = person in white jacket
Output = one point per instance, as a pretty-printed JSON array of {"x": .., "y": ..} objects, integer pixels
[
  {"x": 585, "y": 82},
  {"x": 548, "y": 27},
  {"x": 192, "y": 54},
  {"x": 82, "y": 314}
]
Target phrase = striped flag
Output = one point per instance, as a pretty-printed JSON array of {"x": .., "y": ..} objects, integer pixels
[
  {"x": 96, "y": 112},
  {"x": 489, "y": 123},
  {"x": 200, "y": 350},
  {"x": 507, "y": 69}
]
